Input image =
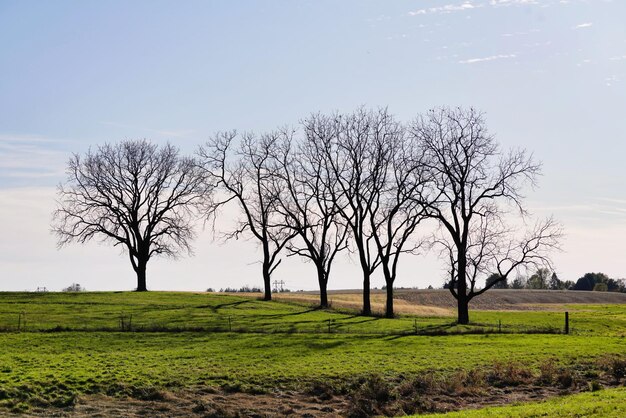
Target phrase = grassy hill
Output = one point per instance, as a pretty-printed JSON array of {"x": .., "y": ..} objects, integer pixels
[{"x": 168, "y": 350}]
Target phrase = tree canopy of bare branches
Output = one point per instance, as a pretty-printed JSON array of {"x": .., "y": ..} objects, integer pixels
[
  {"x": 346, "y": 141},
  {"x": 308, "y": 206},
  {"x": 376, "y": 181},
  {"x": 476, "y": 189},
  {"x": 243, "y": 171},
  {"x": 398, "y": 203},
  {"x": 134, "y": 194}
]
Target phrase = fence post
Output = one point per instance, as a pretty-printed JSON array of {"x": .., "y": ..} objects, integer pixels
[
  {"x": 21, "y": 321},
  {"x": 329, "y": 325},
  {"x": 415, "y": 325},
  {"x": 566, "y": 322},
  {"x": 499, "y": 325},
  {"x": 230, "y": 325}
]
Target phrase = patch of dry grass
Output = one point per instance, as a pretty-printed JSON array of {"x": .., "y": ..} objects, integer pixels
[{"x": 354, "y": 301}]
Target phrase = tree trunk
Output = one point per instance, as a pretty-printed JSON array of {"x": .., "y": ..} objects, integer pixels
[
  {"x": 367, "y": 307},
  {"x": 389, "y": 305},
  {"x": 267, "y": 282},
  {"x": 141, "y": 276},
  {"x": 389, "y": 279},
  {"x": 462, "y": 298},
  {"x": 322, "y": 279},
  {"x": 463, "y": 310}
]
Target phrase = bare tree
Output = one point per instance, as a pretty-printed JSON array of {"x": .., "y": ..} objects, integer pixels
[
  {"x": 477, "y": 186},
  {"x": 243, "y": 174},
  {"x": 350, "y": 149},
  {"x": 134, "y": 194},
  {"x": 397, "y": 207},
  {"x": 305, "y": 188}
]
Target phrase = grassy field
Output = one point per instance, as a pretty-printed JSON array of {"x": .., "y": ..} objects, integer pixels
[{"x": 73, "y": 345}]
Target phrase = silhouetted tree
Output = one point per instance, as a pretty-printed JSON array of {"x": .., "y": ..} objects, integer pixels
[
  {"x": 376, "y": 181},
  {"x": 589, "y": 280},
  {"x": 348, "y": 143},
  {"x": 303, "y": 184},
  {"x": 476, "y": 183},
  {"x": 397, "y": 207},
  {"x": 134, "y": 194},
  {"x": 496, "y": 282},
  {"x": 243, "y": 173}
]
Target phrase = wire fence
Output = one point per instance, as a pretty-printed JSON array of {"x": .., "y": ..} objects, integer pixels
[{"x": 354, "y": 324}]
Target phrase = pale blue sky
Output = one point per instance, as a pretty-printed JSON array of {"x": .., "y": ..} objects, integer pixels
[{"x": 549, "y": 74}]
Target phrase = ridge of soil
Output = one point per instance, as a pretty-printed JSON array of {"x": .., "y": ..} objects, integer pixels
[
  {"x": 508, "y": 299},
  {"x": 210, "y": 403}
]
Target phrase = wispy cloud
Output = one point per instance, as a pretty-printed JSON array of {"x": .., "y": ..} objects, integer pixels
[
  {"x": 610, "y": 80},
  {"x": 485, "y": 59},
  {"x": 31, "y": 157},
  {"x": 522, "y": 33},
  {"x": 583, "y": 25},
  {"x": 612, "y": 200},
  {"x": 448, "y": 8},
  {"x": 602, "y": 209},
  {"x": 470, "y": 5},
  {"x": 512, "y": 2}
]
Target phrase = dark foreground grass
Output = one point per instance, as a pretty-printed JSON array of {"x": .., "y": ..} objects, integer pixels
[
  {"x": 272, "y": 346},
  {"x": 51, "y": 368}
]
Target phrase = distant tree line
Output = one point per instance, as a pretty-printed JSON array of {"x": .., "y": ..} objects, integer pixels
[
  {"x": 360, "y": 182},
  {"x": 544, "y": 279}
]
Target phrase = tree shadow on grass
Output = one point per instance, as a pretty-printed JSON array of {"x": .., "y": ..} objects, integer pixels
[
  {"x": 284, "y": 315},
  {"x": 215, "y": 308}
]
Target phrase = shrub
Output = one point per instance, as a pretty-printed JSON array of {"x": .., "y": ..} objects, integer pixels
[
  {"x": 617, "y": 367},
  {"x": 565, "y": 378},
  {"x": 322, "y": 390},
  {"x": 600, "y": 287},
  {"x": 594, "y": 386},
  {"x": 370, "y": 397},
  {"x": 74, "y": 287},
  {"x": 147, "y": 393},
  {"x": 547, "y": 373},
  {"x": 509, "y": 374}
]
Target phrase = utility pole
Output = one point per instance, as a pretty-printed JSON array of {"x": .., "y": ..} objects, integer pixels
[{"x": 279, "y": 283}]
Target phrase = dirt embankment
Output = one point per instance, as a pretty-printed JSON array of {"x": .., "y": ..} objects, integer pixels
[
  {"x": 496, "y": 299},
  {"x": 366, "y": 396}
]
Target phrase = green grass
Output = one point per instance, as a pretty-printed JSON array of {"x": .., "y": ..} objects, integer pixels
[
  {"x": 184, "y": 311},
  {"x": 272, "y": 344},
  {"x": 195, "y": 311},
  {"x": 610, "y": 403}
]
